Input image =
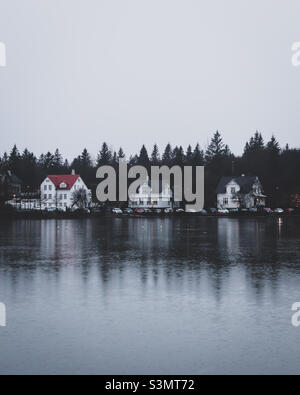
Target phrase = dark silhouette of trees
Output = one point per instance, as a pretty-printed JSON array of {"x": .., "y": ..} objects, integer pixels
[{"x": 277, "y": 168}]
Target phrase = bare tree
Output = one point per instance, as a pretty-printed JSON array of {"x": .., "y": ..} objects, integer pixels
[{"x": 80, "y": 198}]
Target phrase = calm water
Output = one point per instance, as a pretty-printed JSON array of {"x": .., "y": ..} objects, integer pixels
[{"x": 150, "y": 296}]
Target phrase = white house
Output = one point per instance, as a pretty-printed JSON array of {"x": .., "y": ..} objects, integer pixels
[
  {"x": 240, "y": 192},
  {"x": 146, "y": 198},
  {"x": 57, "y": 191}
]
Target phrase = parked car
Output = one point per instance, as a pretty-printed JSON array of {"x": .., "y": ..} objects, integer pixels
[
  {"x": 203, "y": 212},
  {"x": 157, "y": 211},
  {"x": 51, "y": 209},
  {"x": 191, "y": 211},
  {"x": 223, "y": 212},
  {"x": 168, "y": 211},
  {"x": 278, "y": 211},
  {"x": 290, "y": 210},
  {"x": 139, "y": 211},
  {"x": 234, "y": 210},
  {"x": 117, "y": 211},
  {"x": 268, "y": 210},
  {"x": 148, "y": 211},
  {"x": 128, "y": 211},
  {"x": 253, "y": 210},
  {"x": 180, "y": 211},
  {"x": 213, "y": 210}
]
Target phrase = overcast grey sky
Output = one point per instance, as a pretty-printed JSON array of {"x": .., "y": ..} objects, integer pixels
[{"x": 142, "y": 71}]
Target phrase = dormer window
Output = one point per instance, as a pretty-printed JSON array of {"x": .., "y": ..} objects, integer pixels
[{"x": 63, "y": 185}]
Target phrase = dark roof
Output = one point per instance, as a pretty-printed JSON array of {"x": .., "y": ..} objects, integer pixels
[
  {"x": 245, "y": 182},
  {"x": 14, "y": 179}
]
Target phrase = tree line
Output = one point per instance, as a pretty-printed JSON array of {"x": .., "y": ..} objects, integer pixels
[{"x": 276, "y": 167}]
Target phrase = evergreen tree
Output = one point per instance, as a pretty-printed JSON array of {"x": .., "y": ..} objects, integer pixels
[
  {"x": 104, "y": 156},
  {"x": 178, "y": 155},
  {"x": 121, "y": 154},
  {"x": 189, "y": 155},
  {"x": 57, "y": 161},
  {"x": 216, "y": 148},
  {"x": 143, "y": 157},
  {"x": 85, "y": 160},
  {"x": 198, "y": 156},
  {"x": 167, "y": 156},
  {"x": 155, "y": 158},
  {"x": 273, "y": 146},
  {"x": 14, "y": 161}
]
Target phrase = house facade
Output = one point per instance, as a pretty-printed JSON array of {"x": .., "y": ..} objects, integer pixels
[
  {"x": 145, "y": 198},
  {"x": 240, "y": 192},
  {"x": 57, "y": 191}
]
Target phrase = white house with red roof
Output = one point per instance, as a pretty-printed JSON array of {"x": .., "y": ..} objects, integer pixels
[{"x": 57, "y": 191}]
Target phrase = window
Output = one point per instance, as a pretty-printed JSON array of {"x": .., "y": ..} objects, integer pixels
[
  {"x": 225, "y": 201},
  {"x": 61, "y": 196},
  {"x": 50, "y": 196},
  {"x": 63, "y": 185},
  {"x": 45, "y": 196},
  {"x": 50, "y": 187},
  {"x": 45, "y": 187},
  {"x": 65, "y": 197},
  {"x": 233, "y": 190}
]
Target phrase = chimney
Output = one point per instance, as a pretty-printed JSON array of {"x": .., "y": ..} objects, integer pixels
[{"x": 73, "y": 172}]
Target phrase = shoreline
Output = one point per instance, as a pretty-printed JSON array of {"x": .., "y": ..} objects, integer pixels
[{"x": 32, "y": 215}]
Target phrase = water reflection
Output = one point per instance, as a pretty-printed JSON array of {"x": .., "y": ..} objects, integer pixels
[
  {"x": 176, "y": 253},
  {"x": 150, "y": 295}
]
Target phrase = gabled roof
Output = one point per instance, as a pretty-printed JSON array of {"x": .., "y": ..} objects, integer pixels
[
  {"x": 245, "y": 182},
  {"x": 68, "y": 179}
]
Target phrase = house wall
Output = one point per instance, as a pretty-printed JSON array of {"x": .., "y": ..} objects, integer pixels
[
  {"x": 147, "y": 199},
  {"x": 229, "y": 199},
  {"x": 61, "y": 199}
]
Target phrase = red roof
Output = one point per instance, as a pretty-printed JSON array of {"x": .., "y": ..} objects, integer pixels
[{"x": 68, "y": 179}]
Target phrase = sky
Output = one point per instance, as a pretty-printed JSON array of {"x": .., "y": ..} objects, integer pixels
[{"x": 133, "y": 72}]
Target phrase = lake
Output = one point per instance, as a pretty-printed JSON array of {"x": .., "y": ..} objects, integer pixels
[{"x": 150, "y": 296}]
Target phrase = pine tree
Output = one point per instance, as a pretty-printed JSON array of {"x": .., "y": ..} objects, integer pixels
[
  {"x": 189, "y": 155},
  {"x": 121, "y": 154},
  {"x": 167, "y": 156},
  {"x": 273, "y": 146},
  {"x": 14, "y": 160},
  {"x": 104, "y": 156},
  {"x": 216, "y": 148},
  {"x": 57, "y": 160},
  {"x": 155, "y": 158},
  {"x": 143, "y": 157},
  {"x": 198, "y": 156},
  {"x": 85, "y": 159},
  {"x": 178, "y": 155}
]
